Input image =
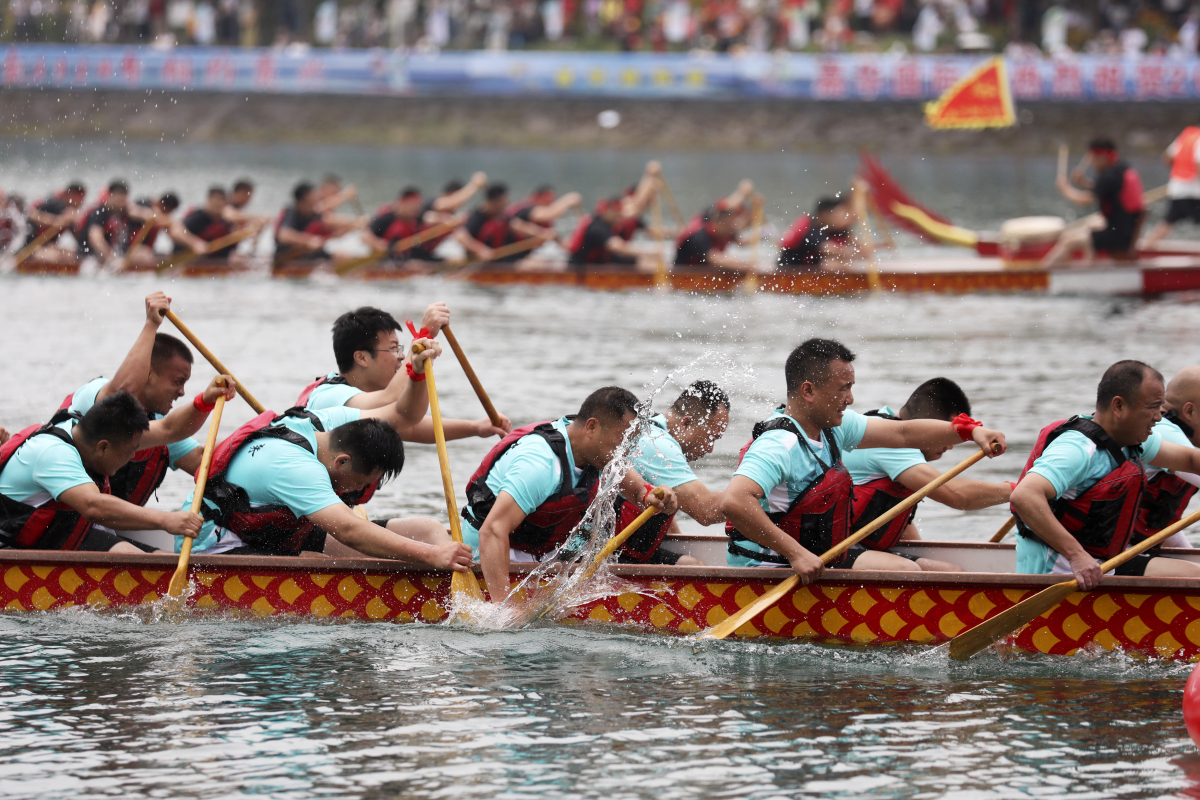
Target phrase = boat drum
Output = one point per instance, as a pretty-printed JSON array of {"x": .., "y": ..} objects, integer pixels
[{"x": 1151, "y": 616}]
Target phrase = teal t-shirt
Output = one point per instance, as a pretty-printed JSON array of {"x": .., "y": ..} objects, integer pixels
[
  {"x": 529, "y": 472},
  {"x": 276, "y": 472},
  {"x": 42, "y": 469},
  {"x": 85, "y": 398},
  {"x": 331, "y": 395},
  {"x": 1170, "y": 432},
  {"x": 658, "y": 458},
  {"x": 783, "y": 468},
  {"x": 878, "y": 462}
]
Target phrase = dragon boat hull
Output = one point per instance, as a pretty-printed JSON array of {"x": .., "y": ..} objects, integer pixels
[{"x": 1149, "y": 616}]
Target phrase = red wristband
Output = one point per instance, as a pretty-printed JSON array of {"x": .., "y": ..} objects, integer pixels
[
  {"x": 646, "y": 496},
  {"x": 413, "y": 375},
  {"x": 202, "y": 406},
  {"x": 963, "y": 425},
  {"x": 417, "y": 334}
]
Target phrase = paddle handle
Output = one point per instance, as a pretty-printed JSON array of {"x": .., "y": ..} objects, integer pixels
[
  {"x": 1004, "y": 529},
  {"x": 400, "y": 245},
  {"x": 216, "y": 362},
  {"x": 517, "y": 247},
  {"x": 669, "y": 196},
  {"x": 837, "y": 550},
  {"x": 138, "y": 238},
  {"x": 31, "y": 248},
  {"x": 1152, "y": 541},
  {"x": 179, "y": 579},
  {"x": 439, "y": 436},
  {"x": 493, "y": 415},
  {"x": 220, "y": 243},
  {"x": 1063, "y": 155},
  {"x": 615, "y": 542}
]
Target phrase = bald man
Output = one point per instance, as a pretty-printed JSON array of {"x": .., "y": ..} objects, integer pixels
[{"x": 1168, "y": 493}]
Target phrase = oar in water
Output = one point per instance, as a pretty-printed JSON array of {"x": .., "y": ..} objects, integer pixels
[
  {"x": 216, "y": 245},
  {"x": 460, "y": 582},
  {"x": 1004, "y": 529},
  {"x": 421, "y": 237},
  {"x": 216, "y": 363},
  {"x": 775, "y": 594},
  {"x": 493, "y": 415},
  {"x": 179, "y": 579},
  {"x": 25, "y": 252},
  {"x": 970, "y": 642}
]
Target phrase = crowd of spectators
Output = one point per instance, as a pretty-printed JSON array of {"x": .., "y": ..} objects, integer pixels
[{"x": 1126, "y": 27}]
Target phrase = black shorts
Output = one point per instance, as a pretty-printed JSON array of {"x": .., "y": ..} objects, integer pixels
[
  {"x": 1184, "y": 208},
  {"x": 1113, "y": 240},
  {"x": 314, "y": 542},
  {"x": 1134, "y": 567},
  {"x": 662, "y": 556},
  {"x": 800, "y": 259},
  {"x": 97, "y": 540}
]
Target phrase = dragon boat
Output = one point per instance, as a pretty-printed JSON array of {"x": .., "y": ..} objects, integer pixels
[
  {"x": 192, "y": 268},
  {"x": 1150, "y": 617}
]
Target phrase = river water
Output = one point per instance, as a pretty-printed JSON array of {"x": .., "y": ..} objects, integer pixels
[{"x": 112, "y": 704}]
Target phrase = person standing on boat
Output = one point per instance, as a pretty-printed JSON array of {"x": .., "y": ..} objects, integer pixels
[
  {"x": 1183, "y": 187},
  {"x": 1168, "y": 493},
  {"x": 54, "y": 482},
  {"x": 884, "y": 476},
  {"x": 398, "y": 220},
  {"x": 791, "y": 498},
  {"x": 1079, "y": 495},
  {"x": 685, "y": 432},
  {"x": 366, "y": 347},
  {"x": 284, "y": 484},
  {"x": 61, "y": 212},
  {"x": 1118, "y": 191},
  {"x": 823, "y": 239},
  {"x": 490, "y": 228},
  {"x": 155, "y": 372},
  {"x": 534, "y": 487}
]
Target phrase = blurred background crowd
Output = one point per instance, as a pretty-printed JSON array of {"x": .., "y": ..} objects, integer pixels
[{"x": 1126, "y": 27}]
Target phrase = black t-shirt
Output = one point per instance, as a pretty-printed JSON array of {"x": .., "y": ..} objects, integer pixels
[
  {"x": 594, "y": 247},
  {"x": 204, "y": 225},
  {"x": 693, "y": 251},
  {"x": 116, "y": 224},
  {"x": 1110, "y": 182},
  {"x": 380, "y": 225},
  {"x": 54, "y": 206}
]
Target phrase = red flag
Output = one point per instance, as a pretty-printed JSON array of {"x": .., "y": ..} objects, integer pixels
[{"x": 981, "y": 99}]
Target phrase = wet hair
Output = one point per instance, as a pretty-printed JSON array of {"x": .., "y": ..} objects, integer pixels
[
  {"x": 700, "y": 400},
  {"x": 810, "y": 362},
  {"x": 167, "y": 347},
  {"x": 496, "y": 190},
  {"x": 117, "y": 418},
  {"x": 938, "y": 398},
  {"x": 216, "y": 190},
  {"x": 76, "y": 188},
  {"x": 169, "y": 202},
  {"x": 302, "y": 190},
  {"x": 357, "y": 330},
  {"x": 609, "y": 405},
  {"x": 243, "y": 184},
  {"x": 118, "y": 186},
  {"x": 372, "y": 445},
  {"x": 410, "y": 191},
  {"x": 452, "y": 186},
  {"x": 826, "y": 204},
  {"x": 1123, "y": 379}
]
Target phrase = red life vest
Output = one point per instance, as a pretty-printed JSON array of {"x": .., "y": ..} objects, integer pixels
[
  {"x": 795, "y": 234},
  {"x": 516, "y": 208},
  {"x": 874, "y": 499},
  {"x": 495, "y": 231},
  {"x": 273, "y": 528},
  {"x": 548, "y": 525},
  {"x": 138, "y": 480},
  {"x": 1101, "y": 518},
  {"x": 1166, "y": 495},
  {"x": 1183, "y": 166},
  {"x": 53, "y": 525},
  {"x": 626, "y": 227},
  {"x": 575, "y": 242},
  {"x": 644, "y": 543},
  {"x": 692, "y": 228},
  {"x": 819, "y": 517},
  {"x": 401, "y": 228},
  {"x": 336, "y": 380}
]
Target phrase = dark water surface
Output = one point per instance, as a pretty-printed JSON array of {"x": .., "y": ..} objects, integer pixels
[{"x": 130, "y": 705}]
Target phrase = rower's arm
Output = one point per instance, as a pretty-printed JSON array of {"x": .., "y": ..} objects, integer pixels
[
  {"x": 740, "y": 505},
  {"x": 454, "y": 201},
  {"x": 531, "y": 230},
  {"x": 376, "y": 243},
  {"x": 135, "y": 369},
  {"x": 344, "y": 196},
  {"x": 185, "y": 420},
  {"x": 183, "y": 236},
  {"x": 473, "y": 245},
  {"x": 1031, "y": 500},
  {"x": 633, "y": 488},
  {"x": 422, "y": 432},
  {"x": 961, "y": 493},
  {"x": 1080, "y": 197},
  {"x": 719, "y": 258},
  {"x": 740, "y": 194},
  {"x": 925, "y": 433},
  {"x": 115, "y": 513},
  {"x": 636, "y": 204},
  {"x": 1177, "y": 458},
  {"x": 700, "y": 503},
  {"x": 621, "y": 247},
  {"x": 502, "y": 520},
  {"x": 371, "y": 540},
  {"x": 547, "y": 214},
  {"x": 410, "y": 407},
  {"x": 291, "y": 236},
  {"x": 47, "y": 219},
  {"x": 95, "y": 237}
]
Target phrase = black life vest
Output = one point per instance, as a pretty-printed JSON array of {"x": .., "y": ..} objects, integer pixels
[
  {"x": 1101, "y": 518},
  {"x": 336, "y": 380},
  {"x": 53, "y": 525},
  {"x": 877, "y": 497},
  {"x": 548, "y": 525},
  {"x": 273, "y": 528},
  {"x": 1166, "y": 495},
  {"x": 819, "y": 517},
  {"x": 138, "y": 480}
]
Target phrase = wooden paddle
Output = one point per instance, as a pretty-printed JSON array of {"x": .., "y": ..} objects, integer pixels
[
  {"x": 138, "y": 238},
  {"x": 216, "y": 363},
  {"x": 970, "y": 642},
  {"x": 460, "y": 582},
  {"x": 1004, "y": 529},
  {"x": 1064, "y": 154},
  {"x": 616, "y": 541},
  {"x": 408, "y": 242},
  {"x": 216, "y": 245},
  {"x": 669, "y": 196},
  {"x": 493, "y": 415},
  {"x": 25, "y": 252},
  {"x": 179, "y": 579},
  {"x": 775, "y": 594}
]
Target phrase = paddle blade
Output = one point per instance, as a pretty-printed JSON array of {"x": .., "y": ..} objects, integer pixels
[
  {"x": 466, "y": 583},
  {"x": 983, "y": 635},
  {"x": 723, "y": 629},
  {"x": 179, "y": 580}
]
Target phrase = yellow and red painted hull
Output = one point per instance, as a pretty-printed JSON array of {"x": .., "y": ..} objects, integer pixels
[{"x": 1154, "y": 617}]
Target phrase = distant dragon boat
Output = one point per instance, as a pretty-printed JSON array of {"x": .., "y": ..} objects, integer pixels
[{"x": 1150, "y": 617}]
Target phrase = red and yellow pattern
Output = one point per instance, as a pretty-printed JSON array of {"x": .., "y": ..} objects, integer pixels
[
  {"x": 1144, "y": 617},
  {"x": 982, "y": 99}
]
